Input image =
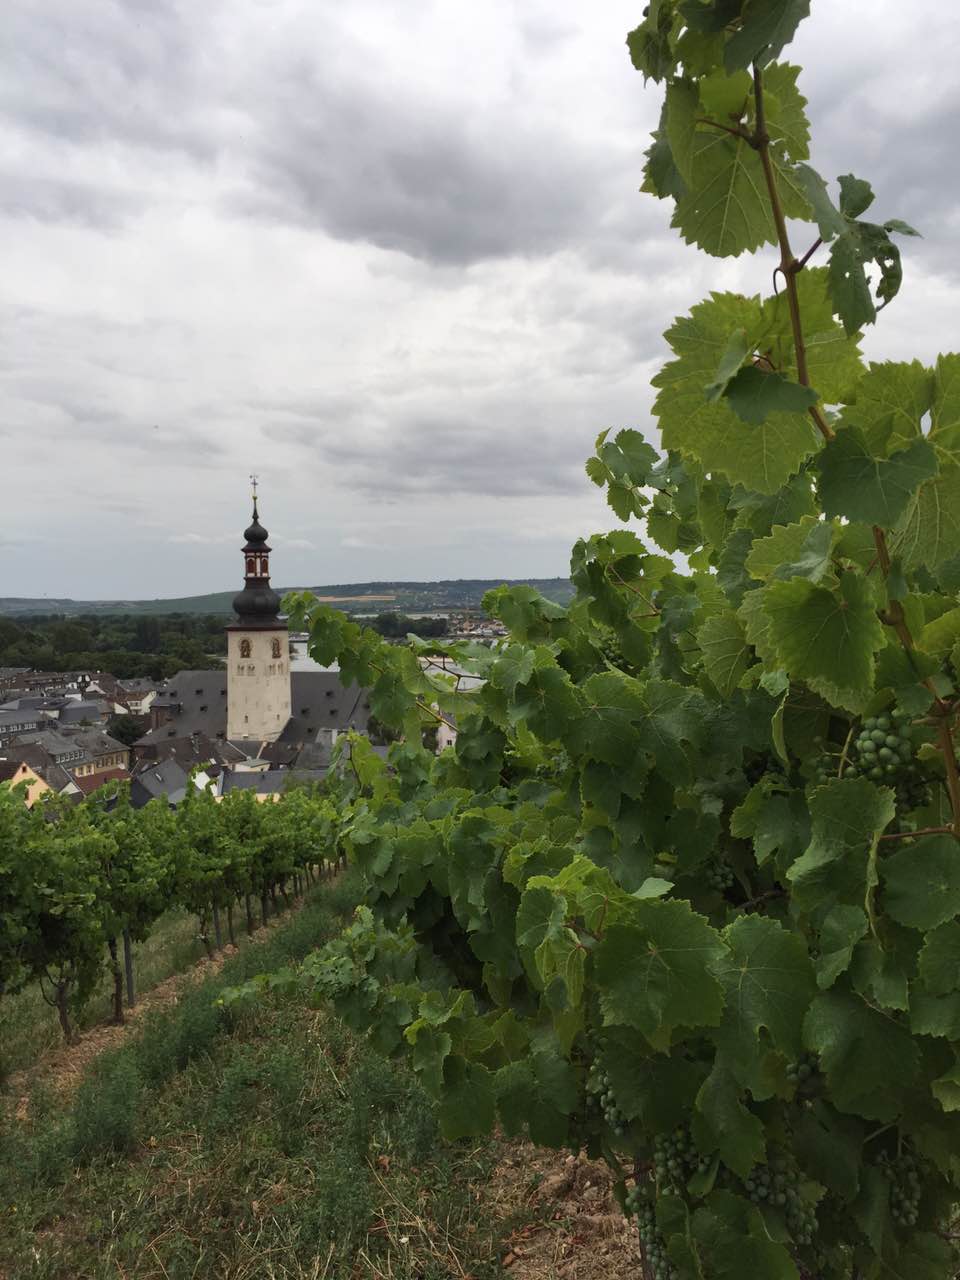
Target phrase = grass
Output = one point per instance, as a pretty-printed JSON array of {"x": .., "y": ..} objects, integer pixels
[{"x": 263, "y": 1141}]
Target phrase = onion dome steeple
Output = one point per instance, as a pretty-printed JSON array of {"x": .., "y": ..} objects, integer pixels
[{"x": 257, "y": 605}]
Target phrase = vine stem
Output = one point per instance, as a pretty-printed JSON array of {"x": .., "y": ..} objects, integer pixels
[
  {"x": 789, "y": 264},
  {"x": 953, "y": 775},
  {"x": 920, "y": 831},
  {"x": 896, "y": 618}
]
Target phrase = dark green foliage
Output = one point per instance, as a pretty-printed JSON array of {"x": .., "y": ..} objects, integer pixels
[{"x": 124, "y": 645}]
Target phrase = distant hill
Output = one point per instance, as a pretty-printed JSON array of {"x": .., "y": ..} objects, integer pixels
[{"x": 351, "y": 597}]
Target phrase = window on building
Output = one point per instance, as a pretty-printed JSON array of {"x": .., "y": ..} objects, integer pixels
[
  {"x": 275, "y": 648},
  {"x": 244, "y": 648}
]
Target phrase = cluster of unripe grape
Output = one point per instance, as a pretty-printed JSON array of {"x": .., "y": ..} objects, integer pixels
[
  {"x": 608, "y": 642},
  {"x": 600, "y": 1093},
  {"x": 903, "y": 1174},
  {"x": 883, "y": 752},
  {"x": 804, "y": 1073},
  {"x": 654, "y": 1250},
  {"x": 675, "y": 1159},
  {"x": 777, "y": 1184},
  {"x": 719, "y": 875}
]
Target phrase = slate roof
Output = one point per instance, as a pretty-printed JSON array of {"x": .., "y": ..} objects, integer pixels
[
  {"x": 165, "y": 778},
  {"x": 318, "y": 701},
  {"x": 76, "y": 712},
  {"x": 53, "y": 743},
  {"x": 270, "y": 781},
  {"x": 93, "y": 741},
  {"x": 189, "y": 751},
  {"x": 10, "y": 719}
]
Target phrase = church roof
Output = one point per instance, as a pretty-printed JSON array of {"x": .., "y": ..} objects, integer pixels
[{"x": 318, "y": 701}]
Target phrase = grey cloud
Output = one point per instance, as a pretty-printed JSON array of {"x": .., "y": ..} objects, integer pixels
[
  {"x": 79, "y": 203},
  {"x": 119, "y": 70},
  {"x": 420, "y": 178}
]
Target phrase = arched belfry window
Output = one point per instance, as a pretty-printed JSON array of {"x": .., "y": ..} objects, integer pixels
[
  {"x": 244, "y": 648},
  {"x": 251, "y": 566}
]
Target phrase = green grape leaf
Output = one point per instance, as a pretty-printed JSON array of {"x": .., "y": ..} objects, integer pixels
[
  {"x": 870, "y": 1061},
  {"x": 722, "y": 1123},
  {"x": 940, "y": 959},
  {"x": 833, "y": 357},
  {"x": 680, "y": 122},
  {"x": 921, "y": 882},
  {"x": 726, "y": 654},
  {"x": 891, "y": 400},
  {"x": 726, "y": 209},
  {"x": 724, "y": 97},
  {"x": 859, "y": 486},
  {"x": 734, "y": 354},
  {"x": 514, "y": 665},
  {"x": 754, "y": 395},
  {"x": 830, "y": 220},
  {"x": 941, "y": 634},
  {"x": 650, "y": 44},
  {"x": 467, "y": 1102},
  {"x": 828, "y": 1147},
  {"x": 607, "y": 728},
  {"x": 774, "y": 819},
  {"x": 935, "y": 1015},
  {"x": 946, "y": 1089},
  {"x": 762, "y": 459},
  {"x": 548, "y": 702},
  {"x": 847, "y": 816},
  {"x": 786, "y": 119},
  {"x": 661, "y": 177},
  {"x": 830, "y": 636},
  {"x": 840, "y": 932},
  {"x": 769, "y": 983},
  {"x": 856, "y": 195},
  {"x": 658, "y": 1090},
  {"x": 733, "y": 1239},
  {"x": 929, "y": 531},
  {"x": 766, "y": 27},
  {"x": 658, "y": 973},
  {"x": 801, "y": 550},
  {"x": 849, "y": 287}
]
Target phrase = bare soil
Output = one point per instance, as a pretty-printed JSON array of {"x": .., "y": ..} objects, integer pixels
[{"x": 573, "y": 1228}]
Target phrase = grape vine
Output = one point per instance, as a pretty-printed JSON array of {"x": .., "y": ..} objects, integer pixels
[
  {"x": 686, "y": 891},
  {"x": 80, "y": 881}
]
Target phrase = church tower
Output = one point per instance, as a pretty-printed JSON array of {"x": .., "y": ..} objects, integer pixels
[{"x": 258, "y": 660}]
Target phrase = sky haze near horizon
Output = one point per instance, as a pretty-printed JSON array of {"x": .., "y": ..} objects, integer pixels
[{"x": 392, "y": 258}]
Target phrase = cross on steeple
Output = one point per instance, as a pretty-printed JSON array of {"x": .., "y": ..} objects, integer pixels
[{"x": 253, "y": 481}]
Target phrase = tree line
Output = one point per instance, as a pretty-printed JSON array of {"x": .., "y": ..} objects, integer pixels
[
  {"x": 81, "y": 883},
  {"x": 128, "y": 647}
]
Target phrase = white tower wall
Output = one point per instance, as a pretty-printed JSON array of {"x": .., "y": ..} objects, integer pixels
[{"x": 258, "y": 682}]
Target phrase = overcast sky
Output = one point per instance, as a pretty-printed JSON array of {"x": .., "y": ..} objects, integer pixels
[{"x": 392, "y": 256}]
